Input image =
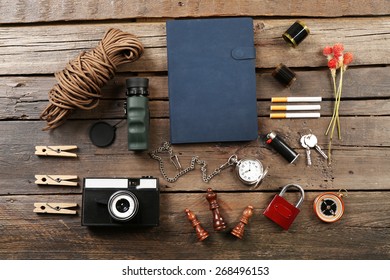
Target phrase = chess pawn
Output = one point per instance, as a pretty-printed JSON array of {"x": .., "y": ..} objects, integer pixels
[
  {"x": 238, "y": 230},
  {"x": 218, "y": 222},
  {"x": 201, "y": 233}
]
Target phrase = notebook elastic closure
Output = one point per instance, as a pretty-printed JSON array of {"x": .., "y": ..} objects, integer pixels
[{"x": 240, "y": 53}]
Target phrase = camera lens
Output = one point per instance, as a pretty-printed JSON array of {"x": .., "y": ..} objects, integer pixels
[{"x": 123, "y": 206}]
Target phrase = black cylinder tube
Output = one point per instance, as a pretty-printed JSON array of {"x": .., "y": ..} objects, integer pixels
[{"x": 281, "y": 147}]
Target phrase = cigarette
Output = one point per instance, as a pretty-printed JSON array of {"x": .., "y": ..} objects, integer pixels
[
  {"x": 296, "y": 99},
  {"x": 294, "y": 115},
  {"x": 295, "y": 107}
]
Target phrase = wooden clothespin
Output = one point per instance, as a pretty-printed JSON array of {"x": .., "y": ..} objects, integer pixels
[
  {"x": 56, "y": 180},
  {"x": 54, "y": 208},
  {"x": 57, "y": 151}
]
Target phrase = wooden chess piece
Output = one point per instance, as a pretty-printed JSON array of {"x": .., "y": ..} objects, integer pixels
[
  {"x": 238, "y": 230},
  {"x": 201, "y": 233},
  {"x": 218, "y": 222}
]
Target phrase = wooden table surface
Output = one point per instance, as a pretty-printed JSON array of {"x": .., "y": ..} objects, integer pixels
[{"x": 38, "y": 38}]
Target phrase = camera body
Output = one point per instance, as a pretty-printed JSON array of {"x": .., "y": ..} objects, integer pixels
[
  {"x": 137, "y": 111},
  {"x": 122, "y": 202}
]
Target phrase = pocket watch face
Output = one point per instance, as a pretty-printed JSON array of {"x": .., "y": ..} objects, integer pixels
[
  {"x": 329, "y": 207},
  {"x": 249, "y": 171}
]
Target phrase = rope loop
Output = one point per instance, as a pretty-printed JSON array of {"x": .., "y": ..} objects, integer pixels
[{"x": 80, "y": 82}]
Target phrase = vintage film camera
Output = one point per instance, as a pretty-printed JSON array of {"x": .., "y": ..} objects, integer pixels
[{"x": 122, "y": 202}]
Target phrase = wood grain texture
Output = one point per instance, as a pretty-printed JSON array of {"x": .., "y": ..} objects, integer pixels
[
  {"x": 360, "y": 163},
  {"x": 40, "y": 11},
  {"x": 111, "y": 109},
  {"x": 26, "y": 97},
  {"x": 38, "y": 38},
  {"x": 364, "y": 226},
  {"x": 359, "y": 83},
  {"x": 47, "y": 49}
]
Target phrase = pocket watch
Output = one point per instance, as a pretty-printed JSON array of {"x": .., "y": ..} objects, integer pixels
[
  {"x": 329, "y": 207},
  {"x": 250, "y": 171}
]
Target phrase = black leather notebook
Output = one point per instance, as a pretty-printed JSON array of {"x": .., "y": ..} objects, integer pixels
[{"x": 212, "y": 80}]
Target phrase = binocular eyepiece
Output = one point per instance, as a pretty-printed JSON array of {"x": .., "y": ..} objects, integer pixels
[
  {"x": 137, "y": 111},
  {"x": 137, "y": 86}
]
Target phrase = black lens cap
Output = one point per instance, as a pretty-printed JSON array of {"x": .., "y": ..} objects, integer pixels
[{"x": 102, "y": 134}]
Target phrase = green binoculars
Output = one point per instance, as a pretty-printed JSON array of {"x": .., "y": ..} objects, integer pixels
[{"x": 137, "y": 110}]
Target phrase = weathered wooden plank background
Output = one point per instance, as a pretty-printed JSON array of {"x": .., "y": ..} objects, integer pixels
[{"x": 37, "y": 39}]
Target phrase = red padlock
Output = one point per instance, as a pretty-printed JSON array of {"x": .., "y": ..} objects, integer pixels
[{"x": 281, "y": 211}]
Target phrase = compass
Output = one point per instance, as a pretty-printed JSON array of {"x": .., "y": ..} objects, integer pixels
[{"x": 329, "y": 207}]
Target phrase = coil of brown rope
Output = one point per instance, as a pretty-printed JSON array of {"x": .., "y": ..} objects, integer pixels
[{"x": 79, "y": 84}]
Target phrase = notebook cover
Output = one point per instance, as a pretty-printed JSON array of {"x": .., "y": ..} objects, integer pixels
[{"x": 211, "y": 80}]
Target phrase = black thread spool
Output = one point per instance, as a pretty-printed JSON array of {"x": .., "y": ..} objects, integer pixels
[
  {"x": 284, "y": 75},
  {"x": 281, "y": 147},
  {"x": 296, "y": 33}
]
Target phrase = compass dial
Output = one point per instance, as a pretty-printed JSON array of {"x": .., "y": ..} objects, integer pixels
[{"x": 329, "y": 207}]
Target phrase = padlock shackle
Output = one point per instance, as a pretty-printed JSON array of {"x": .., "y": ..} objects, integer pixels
[{"x": 298, "y": 187}]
